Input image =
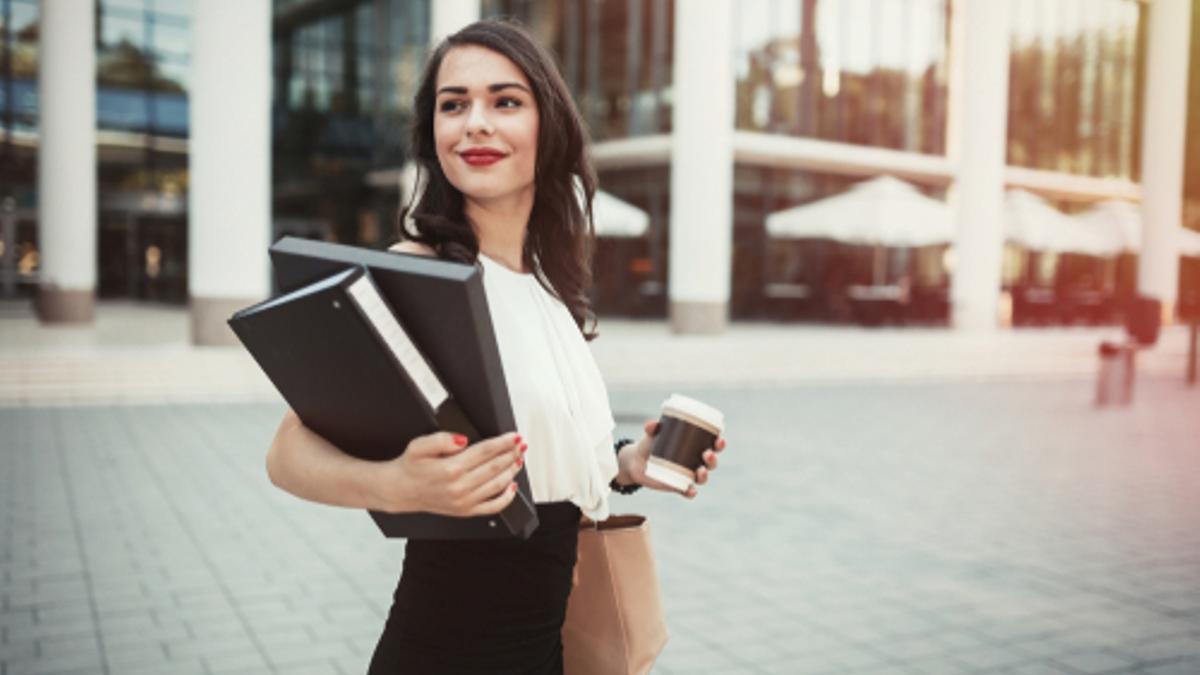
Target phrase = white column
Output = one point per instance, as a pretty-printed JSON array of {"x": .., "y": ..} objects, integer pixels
[
  {"x": 67, "y": 161},
  {"x": 450, "y": 16},
  {"x": 229, "y": 201},
  {"x": 1164, "y": 129},
  {"x": 977, "y": 139},
  {"x": 702, "y": 119}
]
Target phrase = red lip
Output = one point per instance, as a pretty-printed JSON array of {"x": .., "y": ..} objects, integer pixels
[{"x": 481, "y": 156}]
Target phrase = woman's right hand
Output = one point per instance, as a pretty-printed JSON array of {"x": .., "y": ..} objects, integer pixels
[{"x": 440, "y": 473}]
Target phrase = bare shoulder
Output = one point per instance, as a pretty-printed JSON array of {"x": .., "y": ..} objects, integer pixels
[{"x": 413, "y": 247}]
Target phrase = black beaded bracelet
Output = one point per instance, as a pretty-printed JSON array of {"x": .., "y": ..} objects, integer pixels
[{"x": 617, "y": 487}]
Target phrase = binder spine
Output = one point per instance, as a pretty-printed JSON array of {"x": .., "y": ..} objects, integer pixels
[{"x": 408, "y": 358}]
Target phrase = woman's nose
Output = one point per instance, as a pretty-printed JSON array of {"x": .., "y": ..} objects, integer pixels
[{"x": 477, "y": 120}]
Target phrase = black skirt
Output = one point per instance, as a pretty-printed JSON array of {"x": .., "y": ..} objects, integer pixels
[{"x": 483, "y": 606}]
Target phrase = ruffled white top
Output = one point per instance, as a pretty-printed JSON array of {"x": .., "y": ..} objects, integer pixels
[{"x": 558, "y": 396}]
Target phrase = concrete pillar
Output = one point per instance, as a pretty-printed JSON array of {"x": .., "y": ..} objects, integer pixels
[
  {"x": 450, "y": 16},
  {"x": 229, "y": 200},
  {"x": 977, "y": 138},
  {"x": 1164, "y": 130},
  {"x": 67, "y": 162},
  {"x": 702, "y": 118}
]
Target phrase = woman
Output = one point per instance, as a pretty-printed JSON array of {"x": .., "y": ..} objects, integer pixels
[{"x": 503, "y": 148}]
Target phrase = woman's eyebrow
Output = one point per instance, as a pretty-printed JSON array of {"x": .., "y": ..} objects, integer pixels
[{"x": 493, "y": 88}]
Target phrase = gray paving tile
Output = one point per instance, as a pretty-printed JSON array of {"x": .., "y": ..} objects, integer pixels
[
  {"x": 1187, "y": 666},
  {"x": 1039, "y": 668},
  {"x": 922, "y": 528},
  {"x": 1180, "y": 646},
  {"x": 1093, "y": 661}
]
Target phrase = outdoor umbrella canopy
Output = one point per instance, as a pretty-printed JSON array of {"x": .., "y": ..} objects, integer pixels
[
  {"x": 1120, "y": 221},
  {"x": 1189, "y": 242},
  {"x": 883, "y": 211},
  {"x": 1034, "y": 223},
  {"x": 616, "y": 218}
]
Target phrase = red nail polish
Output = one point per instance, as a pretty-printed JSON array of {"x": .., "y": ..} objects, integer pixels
[
  {"x": 516, "y": 439},
  {"x": 513, "y": 487},
  {"x": 520, "y": 461},
  {"x": 459, "y": 440},
  {"x": 524, "y": 447}
]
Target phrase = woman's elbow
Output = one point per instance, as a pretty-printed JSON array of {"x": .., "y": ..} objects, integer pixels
[
  {"x": 273, "y": 471},
  {"x": 275, "y": 452}
]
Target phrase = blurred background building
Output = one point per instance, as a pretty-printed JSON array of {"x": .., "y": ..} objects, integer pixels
[{"x": 1046, "y": 133}]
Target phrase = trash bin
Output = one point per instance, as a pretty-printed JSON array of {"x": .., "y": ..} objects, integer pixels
[
  {"x": 1114, "y": 386},
  {"x": 1144, "y": 319}
]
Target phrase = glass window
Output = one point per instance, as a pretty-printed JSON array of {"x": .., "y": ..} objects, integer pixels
[
  {"x": 171, "y": 38},
  {"x": 870, "y": 72},
  {"x": 24, "y": 19},
  {"x": 614, "y": 55},
  {"x": 118, "y": 30},
  {"x": 173, "y": 75},
  {"x": 175, "y": 8},
  {"x": 1073, "y": 86},
  {"x": 123, "y": 109},
  {"x": 345, "y": 74},
  {"x": 170, "y": 113},
  {"x": 1191, "y": 162},
  {"x": 23, "y": 36}
]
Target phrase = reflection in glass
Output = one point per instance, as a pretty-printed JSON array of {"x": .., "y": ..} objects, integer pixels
[
  {"x": 615, "y": 56},
  {"x": 18, "y": 86},
  {"x": 177, "y": 8},
  {"x": 171, "y": 38},
  {"x": 1073, "y": 86},
  {"x": 870, "y": 72},
  {"x": 122, "y": 29},
  {"x": 1191, "y": 162},
  {"x": 344, "y": 78}
]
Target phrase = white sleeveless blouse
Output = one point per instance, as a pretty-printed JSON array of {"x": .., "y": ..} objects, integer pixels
[{"x": 558, "y": 396}]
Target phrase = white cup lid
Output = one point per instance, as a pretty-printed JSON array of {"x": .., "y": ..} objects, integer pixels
[{"x": 696, "y": 409}]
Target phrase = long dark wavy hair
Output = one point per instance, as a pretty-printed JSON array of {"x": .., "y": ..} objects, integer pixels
[{"x": 560, "y": 234}]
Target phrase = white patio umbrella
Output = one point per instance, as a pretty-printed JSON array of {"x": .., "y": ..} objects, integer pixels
[
  {"x": 1125, "y": 220},
  {"x": 617, "y": 218},
  {"x": 1034, "y": 223},
  {"x": 1189, "y": 242},
  {"x": 1120, "y": 220},
  {"x": 883, "y": 211}
]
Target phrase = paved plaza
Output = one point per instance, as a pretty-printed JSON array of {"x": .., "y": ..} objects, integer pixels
[{"x": 951, "y": 524}]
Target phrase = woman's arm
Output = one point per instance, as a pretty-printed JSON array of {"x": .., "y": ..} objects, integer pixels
[
  {"x": 632, "y": 459},
  {"x": 301, "y": 462},
  {"x": 437, "y": 473}
]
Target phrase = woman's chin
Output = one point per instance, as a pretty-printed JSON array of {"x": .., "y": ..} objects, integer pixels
[{"x": 491, "y": 193}]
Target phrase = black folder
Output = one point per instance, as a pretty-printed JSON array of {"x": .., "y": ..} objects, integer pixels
[{"x": 353, "y": 374}]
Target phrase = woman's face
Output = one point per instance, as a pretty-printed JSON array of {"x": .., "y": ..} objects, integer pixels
[{"x": 485, "y": 124}]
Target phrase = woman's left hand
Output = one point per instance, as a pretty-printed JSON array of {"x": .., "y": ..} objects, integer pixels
[{"x": 633, "y": 458}]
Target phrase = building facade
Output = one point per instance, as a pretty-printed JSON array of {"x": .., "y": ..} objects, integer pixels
[{"x": 707, "y": 116}]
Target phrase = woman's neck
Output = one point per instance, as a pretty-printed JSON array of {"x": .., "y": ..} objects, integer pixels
[{"x": 500, "y": 225}]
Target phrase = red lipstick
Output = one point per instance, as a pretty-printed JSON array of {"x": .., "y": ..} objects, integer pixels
[{"x": 481, "y": 156}]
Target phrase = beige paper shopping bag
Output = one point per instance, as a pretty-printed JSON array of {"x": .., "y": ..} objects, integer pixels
[{"x": 615, "y": 623}]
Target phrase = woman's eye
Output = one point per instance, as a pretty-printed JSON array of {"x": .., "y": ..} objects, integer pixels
[
  {"x": 451, "y": 106},
  {"x": 508, "y": 102}
]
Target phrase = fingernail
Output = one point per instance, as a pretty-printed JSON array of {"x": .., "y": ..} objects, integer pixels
[
  {"x": 520, "y": 461},
  {"x": 524, "y": 447},
  {"x": 516, "y": 439},
  {"x": 513, "y": 487},
  {"x": 459, "y": 440}
]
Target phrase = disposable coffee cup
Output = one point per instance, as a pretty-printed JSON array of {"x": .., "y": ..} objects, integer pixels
[{"x": 686, "y": 429}]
